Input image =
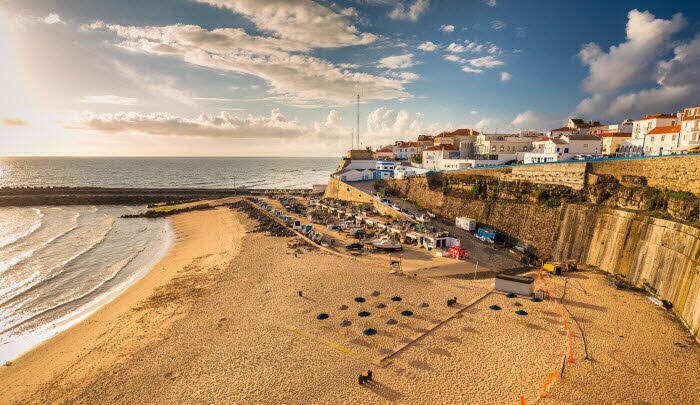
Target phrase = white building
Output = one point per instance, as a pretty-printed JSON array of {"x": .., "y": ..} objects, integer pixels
[
  {"x": 349, "y": 175},
  {"x": 563, "y": 148},
  {"x": 384, "y": 169},
  {"x": 497, "y": 144},
  {"x": 690, "y": 130},
  {"x": 662, "y": 140},
  {"x": 405, "y": 150},
  {"x": 433, "y": 156},
  {"x": 637, "y": 146},
  {"x": 401, "y": 171},
  {"x": 386, "y": 152}
]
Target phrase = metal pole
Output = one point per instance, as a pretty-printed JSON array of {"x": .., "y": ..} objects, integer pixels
[{"x": 358, "y": 120}]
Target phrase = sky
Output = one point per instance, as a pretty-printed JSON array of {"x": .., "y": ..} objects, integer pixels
[{"x": 281, "y": 77}]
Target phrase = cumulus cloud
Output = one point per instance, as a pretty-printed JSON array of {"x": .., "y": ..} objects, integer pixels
[
  {"x": 427, "y": 46},
  {"x": 108, "y": 99},
  {"x": 632, "y": 61},
  {"x": 52, "y": 18},
  {"x": 385, "y": 125},
  {"x": 535, "y": 121},
  {"x": 303, "y": 21},
  {"x": 491, "y": 3},
  {"x": 447, "y": 28},
  {"x": 505, "y": 76},
  {"x": 409, "y": 13},
  {"x": 488, "y": 62},
  {"x": 456, "y": 48},
  {"x": 397, "y": 61},
  {"x": 473, "y": 112},
  {"x": 670, "y": 84},
  {"x": 406, "y": 76},
  {"x": 13, "y": 122},
  {"x": 287, "y": 73}
]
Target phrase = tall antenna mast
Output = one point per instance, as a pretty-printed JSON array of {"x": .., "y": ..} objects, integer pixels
[{"x": 358, "y": 120}]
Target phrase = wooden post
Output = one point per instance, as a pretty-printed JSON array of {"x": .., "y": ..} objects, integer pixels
[{"x": 563, "y": 364}]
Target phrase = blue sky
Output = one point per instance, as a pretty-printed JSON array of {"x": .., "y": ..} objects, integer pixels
[{"x": 277, "y": 77}]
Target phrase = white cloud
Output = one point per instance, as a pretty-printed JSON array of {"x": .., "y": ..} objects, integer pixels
[
  {"x": 385, "y": 125},
  {"x": 210, "y": 126},
  {"x": 633, "y": 60},
  {"x": 410, "y": 13},
  {"x": 406, "y": 76},
  {"x": 493, "y": 49},
  {"x": 109, "y": 99},
  {"x": 397, "y": 61},
  {"x": 53, "y": 18},
  {"x": 488, "y": 62},
  {"x": 497, "y": 24},
  {"x": 456, "y": 48},
  {"x": 505, "y": 76},
  {"x": 303, "y": 21},
  {"x": 676, "y": 82},
  {"x": 473, "y": 112},
  {"x": 491, "y": 3},
  {"x": 427, "y": 46},
  {"x": 454, "y": 58},
  {"x": 471, "y": 70},
  {"x": 287, "y": 74},
  {"x": 536, "y": 121},
  {"x": 447, "y": 28}
]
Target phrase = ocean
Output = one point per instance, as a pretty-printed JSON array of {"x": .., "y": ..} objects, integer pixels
[
  {"x": 60, "y": 264},
  {"x": 166, "y": 172}
]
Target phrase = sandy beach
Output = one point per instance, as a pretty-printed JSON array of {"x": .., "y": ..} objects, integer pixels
[{"x": 220, "y": 320}]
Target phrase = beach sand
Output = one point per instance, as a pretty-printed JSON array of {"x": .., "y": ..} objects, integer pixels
[{"x": 230, "y": 327}]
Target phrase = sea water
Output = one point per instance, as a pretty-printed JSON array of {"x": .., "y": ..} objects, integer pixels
[{"x": 60, "y": 264}]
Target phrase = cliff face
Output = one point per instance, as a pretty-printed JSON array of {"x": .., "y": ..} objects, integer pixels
[{"x": 590, "y": 222}]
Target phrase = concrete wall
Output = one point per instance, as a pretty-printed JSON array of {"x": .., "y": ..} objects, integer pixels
[
  {"x": 650, "y": 252},
  {"x": 680, "y": 172},
  {"x": 343, "y": 191}
]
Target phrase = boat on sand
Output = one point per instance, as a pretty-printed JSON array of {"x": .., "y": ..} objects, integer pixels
[{"x": 386, "y": 243}]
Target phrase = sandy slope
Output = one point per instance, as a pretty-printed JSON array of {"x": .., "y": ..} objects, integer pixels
[{"x": 249, "y": 338}]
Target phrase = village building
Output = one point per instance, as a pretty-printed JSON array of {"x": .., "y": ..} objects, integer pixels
[
  {"x": 386, "y": 152},
  {"x": 405, "y": 150},
  {"x": 384, "y": 169},
  {"x": 637, "y": 146},
  {"x": 612, "y": 142},
  {"x": 433, "y": 156},
  {"x": 563, "y": 148},
  {"x": 690, "y": 131}
]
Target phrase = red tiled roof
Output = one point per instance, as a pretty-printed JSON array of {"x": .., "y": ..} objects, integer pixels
[
  {"x": 442, "y": 146},
  {"x": 425, "y": 138},
  {"x": 615, "y": 135},
  {"x": 385, "y": 149},
  {"x": 463, "y": 132},
  {"x": 665, "y": 130},
  {"x": 649, "y": 117},
  {"x": 687, "y": 116},
  {"x": 545, "y": 139},
  {"x": 564, "y": 129}
]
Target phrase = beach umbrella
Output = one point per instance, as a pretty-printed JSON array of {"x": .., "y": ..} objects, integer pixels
[
  {"x": 359, "y": 299},
  {"x": 495, "y": 307},
  {"x": 406, "y": 313},
  {"x": 396, "y": 298},
  {"x": 370, "y": 332},
  {"x": 521, "y": 312},
  {"x": 364, "y": 314},
  {"x": 322, "y": 316}
]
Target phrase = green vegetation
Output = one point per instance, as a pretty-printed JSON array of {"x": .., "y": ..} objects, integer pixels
[
  {"x": 166, "y": 208},
  {"x": 476, "y": 190}
]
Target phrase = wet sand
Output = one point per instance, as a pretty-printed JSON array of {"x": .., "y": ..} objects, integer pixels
[{"x": 230, "y": 327}]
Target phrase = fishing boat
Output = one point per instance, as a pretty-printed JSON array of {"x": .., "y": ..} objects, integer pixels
[{"x": 386, "y": 243}]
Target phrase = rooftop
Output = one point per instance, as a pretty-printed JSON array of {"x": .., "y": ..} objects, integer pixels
[
  {"x": 665, "y": 130},
  {"x": 651, "y": 117},
  {"x": 442, "y": 147}
]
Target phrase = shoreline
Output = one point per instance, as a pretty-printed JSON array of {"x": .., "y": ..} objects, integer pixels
[{"x": 133, "y": 318}]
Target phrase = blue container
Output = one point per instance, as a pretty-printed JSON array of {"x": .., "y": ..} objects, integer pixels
[{"x": 488, "y": 234}]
